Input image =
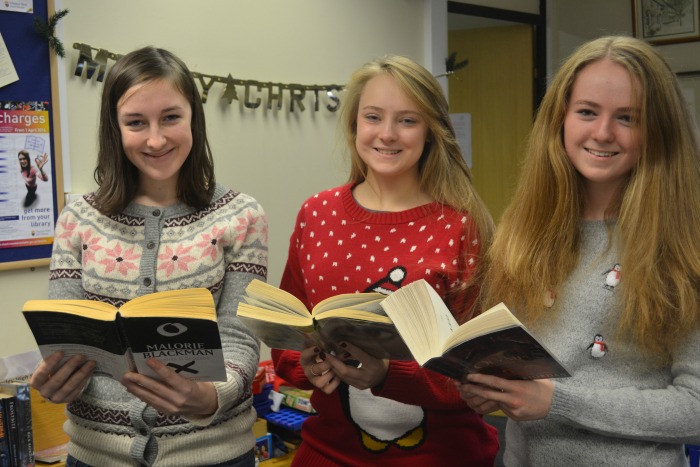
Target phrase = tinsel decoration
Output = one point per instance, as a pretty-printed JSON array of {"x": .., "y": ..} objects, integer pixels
[{"x": 48, "y": 31}]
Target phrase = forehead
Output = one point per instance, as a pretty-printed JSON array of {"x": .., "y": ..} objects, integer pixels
[
  {"x": 384, "y": 91},
  {"x": 604, "y": 79},
  {"x": 152, "y": 95}
]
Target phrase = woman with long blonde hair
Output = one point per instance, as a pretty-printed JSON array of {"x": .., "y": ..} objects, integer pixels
[{"x": 598, "y": 255}]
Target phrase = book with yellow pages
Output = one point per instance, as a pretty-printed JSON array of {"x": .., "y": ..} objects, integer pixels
[
  {"x": 282, "y": 321},
  {"x": 177, "y": 327},
  {"x": 493, "y": 343}
]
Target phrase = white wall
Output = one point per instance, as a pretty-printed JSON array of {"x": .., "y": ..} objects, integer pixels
[{"x": 278, "y": 157}]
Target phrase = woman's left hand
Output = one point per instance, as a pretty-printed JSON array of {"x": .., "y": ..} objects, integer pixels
[
  {"x": 174, "y": 395},
  {"x": 519, "y": 400},
  {"x": 357, "y": 368}
]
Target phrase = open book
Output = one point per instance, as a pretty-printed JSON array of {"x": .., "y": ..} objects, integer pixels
[
  {"x": 282, "y": 321},
  {"x": 493, "y": 343},
  {"x": 178, "y": 327}
]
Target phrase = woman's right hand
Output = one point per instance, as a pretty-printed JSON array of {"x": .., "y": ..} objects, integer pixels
[
  {"x": 317, "y": 370},
  {"x": 59, "y": 384}
]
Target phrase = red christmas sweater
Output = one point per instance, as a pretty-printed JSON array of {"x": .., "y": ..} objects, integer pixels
[{"x": 416, "y": 417}]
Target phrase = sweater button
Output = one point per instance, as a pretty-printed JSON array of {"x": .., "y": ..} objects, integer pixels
[
  {"x": 156, "y": 212},
  {"x": 151, "y": 245},
  {"x": 147, "y": 282}
]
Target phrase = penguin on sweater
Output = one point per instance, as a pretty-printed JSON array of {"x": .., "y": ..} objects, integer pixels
[
  {"x": 384, "y": 422},
  {"x": 598, "y": 348}
]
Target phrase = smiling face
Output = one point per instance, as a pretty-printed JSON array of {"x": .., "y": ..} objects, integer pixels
[
  {"x": 23, "y": 160},
  {"x": 155, "y": 124},
  {"x": 601, "y": 136},
  {"x": 391, "y": 132}
]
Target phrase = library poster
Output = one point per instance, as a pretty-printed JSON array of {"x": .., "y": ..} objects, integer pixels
[{"x": 26, "y": 190}]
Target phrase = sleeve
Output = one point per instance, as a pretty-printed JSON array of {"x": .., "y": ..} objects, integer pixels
[
  {"x": 287, "y": 361},
  {"x": 664, "y": 415},
  {"x": 246, "y": 259},
  {"x": 65, "y": 276}
]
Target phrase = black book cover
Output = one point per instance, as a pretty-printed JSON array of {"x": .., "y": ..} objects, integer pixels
[
  {"x": 192, "y": 347},
  {"x": 511, "y": 353}
]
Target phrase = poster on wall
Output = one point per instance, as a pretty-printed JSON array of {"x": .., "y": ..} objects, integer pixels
[
  {"x": 26, "y": 188},
  {"x": 21, "y": 6}
]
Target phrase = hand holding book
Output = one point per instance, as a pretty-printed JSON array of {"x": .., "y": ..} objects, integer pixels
[{"x": 493, "y": 343}]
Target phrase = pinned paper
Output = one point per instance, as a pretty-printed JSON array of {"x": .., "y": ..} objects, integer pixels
[
  {"x": 8, "y": 74},
  {"x": 21, "y": 6}
]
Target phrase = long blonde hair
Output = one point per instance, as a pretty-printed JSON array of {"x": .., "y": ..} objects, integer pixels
[
  {"x": 657, "y": 211},
  {"x": 444, "y": 173}
]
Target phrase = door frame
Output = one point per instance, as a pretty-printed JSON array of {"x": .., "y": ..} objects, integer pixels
[{"x": 539, "y": 47}]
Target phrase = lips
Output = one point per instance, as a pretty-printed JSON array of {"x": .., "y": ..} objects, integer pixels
[
  {"x": 601, "y": 153},
  {"x": 387, "y": 152},
  {"x": 157, "y": 155}
]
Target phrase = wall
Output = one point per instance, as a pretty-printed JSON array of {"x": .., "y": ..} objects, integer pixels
[
  {"x": 571, "y": 22},
  {"x": 278, "y": 157}
]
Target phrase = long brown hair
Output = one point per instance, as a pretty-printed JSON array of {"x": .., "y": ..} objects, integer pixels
[
  {"x": 657, "y": 212},
  {"x": 115, "y": 175}
]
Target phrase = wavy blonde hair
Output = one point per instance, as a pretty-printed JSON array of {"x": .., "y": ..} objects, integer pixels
[
  {"x": 444, "y": 173},
  {"x": 657, "y": 211}
]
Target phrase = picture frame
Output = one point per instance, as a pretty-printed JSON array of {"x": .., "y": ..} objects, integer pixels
[{"x": 666, "y": 22}]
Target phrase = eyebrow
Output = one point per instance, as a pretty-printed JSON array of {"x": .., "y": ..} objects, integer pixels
[
  {"x": 596, "y": 105},
  {"x": 373, "y": 107},
  {"x": 164, "y": 111}
]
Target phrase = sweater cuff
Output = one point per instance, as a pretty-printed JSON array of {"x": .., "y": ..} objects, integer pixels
[
  {"x": 226, "y": 394},
  {"x": 563, "y": 401}
]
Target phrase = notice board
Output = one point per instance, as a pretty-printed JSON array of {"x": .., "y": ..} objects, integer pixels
[{"x": 31, "y": 182}]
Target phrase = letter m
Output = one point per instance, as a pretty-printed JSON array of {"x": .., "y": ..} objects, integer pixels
[{"x": 86, "y": 62}]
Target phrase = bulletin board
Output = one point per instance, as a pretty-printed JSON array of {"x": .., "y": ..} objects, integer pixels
[{"x": 31, "y": 188}]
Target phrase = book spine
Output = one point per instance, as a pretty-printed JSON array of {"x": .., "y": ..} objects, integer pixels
[
  {"x": 24, "y": 426},
  {"x": 10, "y": 418},
  {"x": 4, "y": 442}
]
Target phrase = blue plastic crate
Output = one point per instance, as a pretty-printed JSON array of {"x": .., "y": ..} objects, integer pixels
[
  {"x": 694, "y": 455},
  {"x": 288, "y": 418}
]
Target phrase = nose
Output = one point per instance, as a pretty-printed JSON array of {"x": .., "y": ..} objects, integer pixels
[
  {"x": 387, "y": 131},
  {"x": 604, "y": 130},
  {"x": 156, "y": 139}
]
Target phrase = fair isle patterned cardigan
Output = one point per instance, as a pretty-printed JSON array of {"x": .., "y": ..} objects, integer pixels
[{"x": 144, "y": 250}]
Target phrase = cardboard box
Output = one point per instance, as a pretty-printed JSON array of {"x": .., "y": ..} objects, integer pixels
[{"x": 299, "y": 399}]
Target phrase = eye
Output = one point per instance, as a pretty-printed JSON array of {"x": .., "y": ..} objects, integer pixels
[
  {"x": 172, "y": 118},
  {"x": 585, "y": 112},
  {"x": 371, "y": 117},
  {"x": 133, "y": 124},
  {"x": 409, "y": 121}
]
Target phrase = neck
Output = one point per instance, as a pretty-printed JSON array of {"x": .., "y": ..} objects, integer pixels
[
  {"x": 158, "y": 195},
  {"x": 597, "y": 199},
  {"x": 391, "y": 195}
]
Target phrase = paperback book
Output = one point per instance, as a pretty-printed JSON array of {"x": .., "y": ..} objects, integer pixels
[
  {"x": 494, "y": 343},
  {"x": 177, "y": 327},
  {"x": 282, "y": 321}
]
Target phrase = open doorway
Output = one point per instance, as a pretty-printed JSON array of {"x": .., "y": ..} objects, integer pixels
[{"x": 499, "y": 88}]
